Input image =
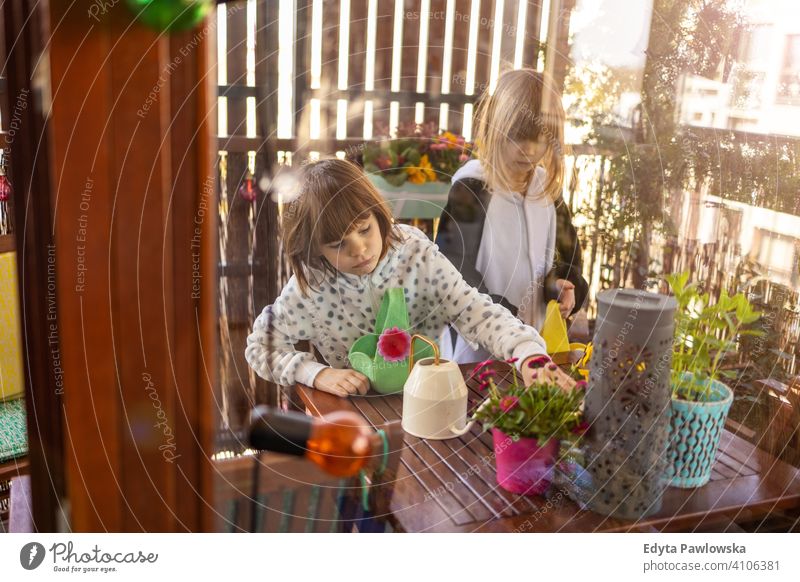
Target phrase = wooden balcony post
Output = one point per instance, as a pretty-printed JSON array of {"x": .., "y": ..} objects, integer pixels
[{"x": 132, "y": 208}]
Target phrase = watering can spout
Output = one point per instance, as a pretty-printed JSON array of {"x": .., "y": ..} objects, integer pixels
[{"x": 459, "y": 432}]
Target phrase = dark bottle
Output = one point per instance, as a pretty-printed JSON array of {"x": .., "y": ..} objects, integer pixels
[{"x": 340, "y": 443}]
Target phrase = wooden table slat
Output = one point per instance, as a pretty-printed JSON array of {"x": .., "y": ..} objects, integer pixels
[
  {"x": 434, "y": 484},
  {"x": 450, "y": 484},
  {"x": 724, "y": 469},
  {"x": 482, "y": 468},
  {"x": 443, "y": 452},
  {"x": 757, "y": 459},
  {"x": 716, "y": 475}
]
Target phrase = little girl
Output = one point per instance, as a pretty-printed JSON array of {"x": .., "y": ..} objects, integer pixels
[
  {"x": 505, "y": 225},
  {"x": 345, "y": 252}
]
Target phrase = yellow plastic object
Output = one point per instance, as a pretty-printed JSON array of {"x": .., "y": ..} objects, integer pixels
[
  {"x": 10, "y": 355},
  {"x": 554, "y": 330},
  {"x": 583, "y": 364}
]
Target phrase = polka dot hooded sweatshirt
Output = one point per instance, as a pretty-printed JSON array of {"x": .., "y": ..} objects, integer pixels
[{"x": 339, "y": 309}]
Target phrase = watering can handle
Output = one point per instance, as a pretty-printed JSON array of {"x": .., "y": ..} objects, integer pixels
[{"x": 427, "y": 341}]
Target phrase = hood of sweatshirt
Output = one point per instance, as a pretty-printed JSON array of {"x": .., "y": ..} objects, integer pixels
[{"x": 473, "y": 169}]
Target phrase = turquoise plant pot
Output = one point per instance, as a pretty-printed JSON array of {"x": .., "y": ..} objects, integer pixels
[{"x": 695, "y": 429}]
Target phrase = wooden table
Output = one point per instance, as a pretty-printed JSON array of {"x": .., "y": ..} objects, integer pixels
[{"x": 450, "y": 486}]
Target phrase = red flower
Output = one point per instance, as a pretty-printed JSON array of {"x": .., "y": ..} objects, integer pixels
[
  {"x": 512, "y": 360},
  {"x": 508, "y": 403},
  {"x": 479, "y": 367},
  {"x": 539, "y": 361},
  {"x": 486, "y": 374},
  {"x": 581, "y": 428},
  {"x": 394, "y": 344},
  {"x": 383, "y": 162},
  {"x": 581, "y": 385}
]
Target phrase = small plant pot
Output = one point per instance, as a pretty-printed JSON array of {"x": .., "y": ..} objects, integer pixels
[
  {"x": 695, "y": 429},
  {"x": 424, "y": 201},
  {"x": 523, "y": 466}
]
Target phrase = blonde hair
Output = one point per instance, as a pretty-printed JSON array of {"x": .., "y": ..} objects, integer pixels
[
  {"x": 334, "y": 196},
  {"x": 522, "y": 108}
]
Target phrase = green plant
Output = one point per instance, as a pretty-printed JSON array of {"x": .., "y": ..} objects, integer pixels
[
  {"x": 704, "y": 333},
  {"x": 542, "y": 411},
  {"x": 419, "y": 154}
]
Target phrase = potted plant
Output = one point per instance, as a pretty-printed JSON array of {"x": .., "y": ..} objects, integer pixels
[
  {"x": 705, "y": 333},
  {"x": 527, "y": 425},
  {"x": 419, "y": 154}
]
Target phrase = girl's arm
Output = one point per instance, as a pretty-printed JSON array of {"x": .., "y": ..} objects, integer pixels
[
  {"x": 270, "y": 348},
  {"x": 568, "y": 263},
  {"x": 476, "y": 316}
]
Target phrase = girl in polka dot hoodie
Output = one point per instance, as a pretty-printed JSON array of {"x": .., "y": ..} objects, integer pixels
[{"x": 345, "y": 252}]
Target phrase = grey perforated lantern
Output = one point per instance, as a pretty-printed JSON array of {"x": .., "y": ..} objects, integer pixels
[{"x": 627, "y": 402}]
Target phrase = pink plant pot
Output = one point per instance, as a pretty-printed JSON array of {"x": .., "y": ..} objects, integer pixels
[{"x": 523, "y": 466}]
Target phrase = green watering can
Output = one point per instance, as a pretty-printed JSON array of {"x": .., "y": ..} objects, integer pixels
[{"x": 386, "y": 377}]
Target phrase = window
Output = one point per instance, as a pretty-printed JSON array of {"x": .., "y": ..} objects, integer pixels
[
  {"x": 756, "y": 47},
  {"x": 789, "y": 84},
  {"x": 776, "y": 253}
]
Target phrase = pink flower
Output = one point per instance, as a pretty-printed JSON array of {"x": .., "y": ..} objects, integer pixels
[
  {"x": 394, "y": 344},
  {"x": 483, "y": 385},
  {"x": 463, "y": 158},
  {"x": 512, "y": 360},
  {"x": 539, "y": 361},
  {"x": 508, "y": 403},
  {"x": 581, "y": 385},
  {"x": 479, "y": 367},
  {"x": 438, "y": 146},
  {"x": 486, "y": 374}
]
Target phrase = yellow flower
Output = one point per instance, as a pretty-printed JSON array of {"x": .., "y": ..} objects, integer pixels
[
  {"x": 422, "y": 173},
  {"x": 584, "y": 361}
]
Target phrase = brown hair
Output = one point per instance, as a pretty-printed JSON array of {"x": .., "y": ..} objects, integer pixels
[
  {"x": 334, "y": 195},
  {"x": 522, "y": 108}
]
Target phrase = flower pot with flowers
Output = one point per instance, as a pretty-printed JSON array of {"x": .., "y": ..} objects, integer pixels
[
  {"x": 705, "y": 333},
  {"x": 527, "y": 425},
  {"x": 415, "y": 167}
]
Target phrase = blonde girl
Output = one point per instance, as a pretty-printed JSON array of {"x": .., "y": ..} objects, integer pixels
[{"x": 506, "y": 226}]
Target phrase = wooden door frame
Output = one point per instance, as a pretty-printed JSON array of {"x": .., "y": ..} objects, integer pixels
[
  {"x": 144, "y": 179},
  {"x": 30, "y": 163}
]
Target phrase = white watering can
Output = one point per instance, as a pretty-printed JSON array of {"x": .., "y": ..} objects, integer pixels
[{"x": 434, "y": 397}]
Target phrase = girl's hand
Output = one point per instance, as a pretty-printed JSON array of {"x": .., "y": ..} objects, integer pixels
[
  {"x": 549, "y": 373},
  {"x": 566, "y": 297},
  {"x": 341, "y": 382}
]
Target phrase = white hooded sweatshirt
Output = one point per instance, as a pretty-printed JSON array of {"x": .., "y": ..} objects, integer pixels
[{"x": 516, "y": 252}]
